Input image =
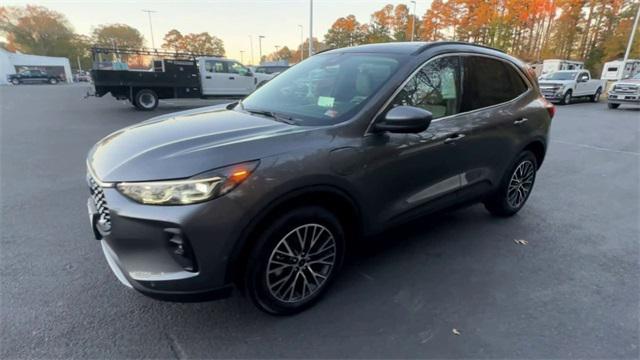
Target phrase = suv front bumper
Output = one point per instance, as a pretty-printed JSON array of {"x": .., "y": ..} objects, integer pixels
[{"x": 623, "y": 98}]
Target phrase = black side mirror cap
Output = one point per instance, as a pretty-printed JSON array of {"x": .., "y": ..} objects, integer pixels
[{"x": 405, "y": 119}]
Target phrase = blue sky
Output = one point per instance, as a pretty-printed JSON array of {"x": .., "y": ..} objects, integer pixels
[{"x": 231, "y": 20}]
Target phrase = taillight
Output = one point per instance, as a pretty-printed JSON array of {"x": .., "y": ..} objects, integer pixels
[{"x": 551, "y": 109}]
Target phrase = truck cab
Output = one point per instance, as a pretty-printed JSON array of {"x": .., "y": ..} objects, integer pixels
[
  {"x": 222, "y": 76},
  {"x": 563, "y": 86}
]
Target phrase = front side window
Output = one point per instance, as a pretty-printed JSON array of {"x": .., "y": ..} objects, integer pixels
[
  {"x": 236, "y": 68},
  {"x": 326, "y": 88},
  {"x": 214, "y": 66},
  {"x": 435, "y": 88},
  {"x": 489, "y": 82}
]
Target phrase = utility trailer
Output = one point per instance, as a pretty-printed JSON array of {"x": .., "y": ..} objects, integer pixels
[{"x": 174, "y": 75}]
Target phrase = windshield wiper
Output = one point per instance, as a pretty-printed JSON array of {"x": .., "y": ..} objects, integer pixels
[{"x": 275, "y": 116}]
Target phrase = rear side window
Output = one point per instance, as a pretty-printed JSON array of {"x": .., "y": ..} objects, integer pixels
[
  {"x": 489, "y": 82},
  {"x": 215, "y": 66},
  {"x": 436, "y": 88}
]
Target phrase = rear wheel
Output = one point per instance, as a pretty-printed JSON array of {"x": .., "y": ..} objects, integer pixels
[
  {"x": 596, "y": 97},
  {"x": 613, "y": 106},
  {"x": 295, "y": 260},
  {"x": 146, "y": 100},
  {"x": 53, "y": 81},
  {"x": 515, "y": 187}
]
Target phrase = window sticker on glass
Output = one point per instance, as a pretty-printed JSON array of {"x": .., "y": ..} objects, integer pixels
[{"x": 325, "y": 101}]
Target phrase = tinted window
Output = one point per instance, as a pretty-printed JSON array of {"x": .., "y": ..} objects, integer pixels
[
  {"x": 489, "y": 82},
  {"x": 214, "y": 66},
  {"x": 436, "y": 88},
  {"x": 326, "y": 88}
]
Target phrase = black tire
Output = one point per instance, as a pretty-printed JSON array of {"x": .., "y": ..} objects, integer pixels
[
  {"x": 596, "y": 97},
  {"x": 146, "y": 100},
  {"x": 53, "y": 81},
  {"x": 500, "y": 202},
  {"x": 273, "y": 275},
  {"x": 566, "y": 99},
  {"x": 613, "y": 105},
  {"x": 15, "y": 81}
]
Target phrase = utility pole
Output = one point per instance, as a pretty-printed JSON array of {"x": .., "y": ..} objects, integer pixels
[
  {"x": 310, "y": 28},
  {"x": 260, "y": 37},
  {"x": 301, "y": 42},
  {"x": 79, "y": 65},
  {"x": 251, "y": 45},
  {"x": 153, "y": 45},
  {"x": 413, "y": 20},
  {"x": 277, "y": 49},
  {"x": 633, "y": 32},
  {"x": 241, "y": 56}
]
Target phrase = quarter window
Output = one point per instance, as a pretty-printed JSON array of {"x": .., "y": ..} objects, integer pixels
[
  {"x": 435, "y": 88},
  {"x": 489, "y": 82}
]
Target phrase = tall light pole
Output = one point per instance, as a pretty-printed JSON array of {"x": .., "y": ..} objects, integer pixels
[
  {"x": 633, "y": 32},
  {"x": 413, "y": 20},
  {"x": 301, "y": 42},
  {"x": 153, "y": 45},
  {"x": 241, "y": 56},
  {"x": 251, "y": 45},
  {"x": 310, "y": 28},
  {"x": 260, "y": 37}
]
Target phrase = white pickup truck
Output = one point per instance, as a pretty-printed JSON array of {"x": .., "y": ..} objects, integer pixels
[
  {"x": 562, "y": 86},
  {"x": 173, "y": 76}
]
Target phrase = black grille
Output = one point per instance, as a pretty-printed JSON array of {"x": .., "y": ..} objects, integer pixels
[
  {"x": 104, "y": 221},
  {"x": 625, "y": 89}
]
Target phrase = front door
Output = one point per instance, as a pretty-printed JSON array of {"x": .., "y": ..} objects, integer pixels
[
  {"x": 243, "y": 81},
  {"x": 417, "y": 173}
]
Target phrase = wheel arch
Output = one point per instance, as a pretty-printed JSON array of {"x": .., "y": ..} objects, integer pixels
[
  {"x": 539, "y": 150},
  {"x": 330, "y": 197}
]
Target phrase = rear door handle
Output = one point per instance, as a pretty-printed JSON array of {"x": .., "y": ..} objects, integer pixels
[
  {"x": 520, "y": 121},
  {"x": 231, "y": 78},
  {"x": 453, "y": 138},
  {"x": 207, "y": 77}
]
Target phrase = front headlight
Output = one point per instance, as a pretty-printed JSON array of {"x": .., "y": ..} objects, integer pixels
[{"x": 197, "y": 189}]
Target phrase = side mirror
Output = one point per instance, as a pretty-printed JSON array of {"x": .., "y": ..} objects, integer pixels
[
  {"x": 405, "y": 119},
  {"x": 583, "y": 79},
  {"x": 248, "y": 73}
]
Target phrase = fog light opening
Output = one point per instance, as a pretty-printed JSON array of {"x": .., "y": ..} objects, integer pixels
[{"x": 180, "y": 250}]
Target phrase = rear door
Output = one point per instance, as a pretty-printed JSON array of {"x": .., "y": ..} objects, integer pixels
[
  {"x": 215, "y": 78},
  {"x": 496, "y": 102}
]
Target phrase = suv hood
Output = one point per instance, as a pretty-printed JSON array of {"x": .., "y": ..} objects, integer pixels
[
  {"x": 627, "y": 82},
  {"x": 184, "y": 144}
]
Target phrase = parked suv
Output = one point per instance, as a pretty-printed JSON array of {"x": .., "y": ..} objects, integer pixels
[
  {"x": 33, "y": 77},
  {"x": 266, "y": 193}
]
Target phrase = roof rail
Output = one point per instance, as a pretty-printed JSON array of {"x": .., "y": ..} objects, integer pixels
[{"x": 435, "y": 43}]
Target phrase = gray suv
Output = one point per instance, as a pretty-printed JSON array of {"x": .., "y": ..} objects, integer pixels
[{"x": 266, "y": 193}]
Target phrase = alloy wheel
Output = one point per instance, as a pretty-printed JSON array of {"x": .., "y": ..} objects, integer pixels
[
  {"x": 301, "y": 263},
  {"x": 520, "y": 184}
]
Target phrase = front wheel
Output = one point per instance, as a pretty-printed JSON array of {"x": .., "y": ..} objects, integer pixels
[
  {"x": 596, "y": 97},
  {"x": 515, "y": 187},
  {"x": 295, "y": 260},
  {"x": 613, "y": 106},
  {"x": 566, "y": 100},
  {"x": 15, "y": 82},
  {"x": 53, "y": 81},
  {"x": 146, "y": 100}
]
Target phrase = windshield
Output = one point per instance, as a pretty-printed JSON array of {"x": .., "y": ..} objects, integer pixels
[
  {"x": 324, "y": 89},
  {"x": 561, "y": 76}
]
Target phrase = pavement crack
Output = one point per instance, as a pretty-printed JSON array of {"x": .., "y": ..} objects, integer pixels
[{"x": 176, "y": 349}]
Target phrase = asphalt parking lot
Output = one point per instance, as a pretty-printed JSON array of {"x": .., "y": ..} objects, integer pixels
[{"x": 572, "y": 292}]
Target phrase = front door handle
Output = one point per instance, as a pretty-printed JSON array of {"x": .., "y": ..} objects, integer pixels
[
  {"x": 520, "y": 121},
  {"x": 231, "y": 78},
  {"x": 453, "y": 138},
  {"x": 207, "y": 77}
]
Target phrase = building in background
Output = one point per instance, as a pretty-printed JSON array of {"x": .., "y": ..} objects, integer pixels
[{"x": 11, "y": 63}]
